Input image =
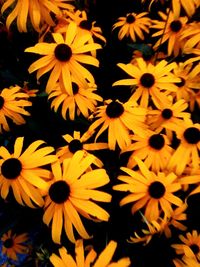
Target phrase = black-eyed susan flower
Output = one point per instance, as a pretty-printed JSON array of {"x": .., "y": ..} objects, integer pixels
[
  {"x": 119, "y": 118},
  {"x": 64, "y": 58},
  {"x": 12, "y": 105},
  {"x": 187, "y": 153},
  {"x": 72, "y": 192},
  {"x": 153, "y": 148},
  {"x": 78, "y": 142},
  {"x": 149, "y": 81},
  {"x": 22, "y": 172},
  {"x": 169, "y": 30},
  {"x": 83, "y": 100},
  {"x": 154, "y": 192},
  {"x": 103, "y": 260},
  {"x": 190, "y": 246},
  {"x": 37, "y": 11},
  {"x": 188, "y": 6},
  {"x": 13, "y": 245},
  {"x": 133, "y": 25}
]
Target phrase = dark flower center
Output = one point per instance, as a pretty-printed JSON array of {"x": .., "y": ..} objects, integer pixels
[
  {"x": 85, "y": 24},
  {"x": 147, "y": 80},
  {"x": 8, "y": 243},
  {"x": 11, "y": 168},
  {"x": 114, "y": 109},
  {"x": 59, "y": 192},
  {"x": 167, "y": 113},
  {"x": 130, "y": 19},
  {"x": 176, "y": 25},
  {"x": 182, "y": 82},
  {"x": 63, "y": 52},
  {"x": 75, "y": 88},
  {"x": 156, "y": 190},
  {"x": 1, "y": 102},
  {"x": 75, "y": 145},
  {"x": 194, "y": 248},
  {"x": 156, "y": 141},
  {"x": 192, "y": 135}
]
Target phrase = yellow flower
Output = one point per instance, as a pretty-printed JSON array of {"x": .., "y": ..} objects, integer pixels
[
  {"x": 72, "y": 191},
  {"x": 63, "y": 58},
  {"x": 103, "y": 260},
  {"x": 149, "y": 190},
  {"x": 119, "y": 119},
  {"x": 13, "y": 245},
  {"x": 149, "y": 81},
  {"x": 38, "y": 11},
  {"x": 186, "y": 262},
  {"x": 133, "y": 25},
  {"x": 12, "y": 105},
  {"x": 22, "y": 172},
  {"x": 83, "y": 100},
  {"x": 191, "y": 37}
]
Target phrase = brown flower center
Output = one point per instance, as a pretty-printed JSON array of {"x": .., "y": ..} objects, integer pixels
[
  {"x": 192, "y": 135},
  {"x": 11, "y": 168},
  {"x": 175, "y": 25},
  {"x": 85, "y": 24},
  {"x": 59, "y": 192},
  {"x": 195, "y": 248},
  {"x": 167, "y": 113},
  {"x": 147, "y": 80},
  {"x": 75, "y": 145},
  {"x": 182, "y": 82},
  {"x": 156, "y": 190},
  {"x": 130, "y": 19},
  {"x": 8, "y": 243},
  {"x": 156, "y": 141},
  {"x": 1, "y": 102},
  {"x": 114, "y": 110},
  {"x": 63, "y": 52}
]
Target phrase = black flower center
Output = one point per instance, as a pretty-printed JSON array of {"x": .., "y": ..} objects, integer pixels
[
  {"x": 156, "y": 190},
  {"x": 59, "y": 192},
  {"x": 195, "y": 248},
  {"x": 63, "y": 52},
  {"x": 8, "y": 243},
  {"x": 130, "y": 19},
  {"x": 75, "y": 145},
  {"x": 167, "y": 113},
  {"x": 75, "y": 88},
  {"x": 86, "y": 24},
  {"x": 156, "y": 141},
  {"x": 176, "y": 25},
  {"x": 147, "y": 80},
  {"x": 1, "y": 102},
  {"x": 11, "y": 168},
  {"x": 114, "y": 109},
  {"x": 182, "y": 82},
  {"x": 192, "y": 135}
]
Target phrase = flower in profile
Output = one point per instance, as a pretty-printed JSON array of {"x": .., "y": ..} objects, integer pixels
[
  {"x": 83, "y": 100},
  {"x": 78, "y": 142},
  {"x": 72, "y": 191},
  {"x": 154, "y": 192},
  {"x": 13, "y": 245},
  {"x": 189, "y": 146},
  {"x": 150, "y": 81},
  {"x": 133, "y": 25},
  {"x": 153, "y": 148},
  {"x": 188, "y": 6},
  {"x": 119, "y": 118},
  {"x": 30, "y": 92},
  {"x": 12, "y": 105},
  {"x": 64, "y": 58},
  {"x": 38, "y": 11},
  {"x": 103, "y": 260},
  {"x": 22, "y": 172},
  {"x": 169, "y": 30},
  {"x": 190, "y": 246}
]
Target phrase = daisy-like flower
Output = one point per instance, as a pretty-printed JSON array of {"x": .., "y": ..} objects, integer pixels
[
  {"x": 133, "y": 25},
  {"x": 149, "y": 81},
  {"x": 103, "y": 260},
  {"x": 153, "y": 148},
  {"x": 188, "y": 149},
  {"x": 119, "y": 119},
  {"x": 152, "y": 191},
  {"x": 22, "y": 172},
  {"x": 38, "y": 11},
  {"x": 72, "y": 191},
  {"x": 64, "y": 58},
  {"x": 169, "y": 30},
  {"x": 13, "y": 245},
  {"x": 83, "y": 100},
  {"x": 190, "y": 246},
  {"x": 12, "y": 105},
  {"x": 188, "y": 6},
  {"x": 78, "y": 142}
]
